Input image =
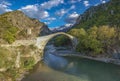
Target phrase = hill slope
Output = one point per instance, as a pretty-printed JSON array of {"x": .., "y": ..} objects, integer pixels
[
  {"x": 98, "y": 29},
  {"x": 103, "y": 14},
  {"x": 16, "y": 25},
  {"x": 98, "y": 32}
]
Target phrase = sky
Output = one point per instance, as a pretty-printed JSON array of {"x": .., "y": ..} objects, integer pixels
[{"x": 54, "y": 13}]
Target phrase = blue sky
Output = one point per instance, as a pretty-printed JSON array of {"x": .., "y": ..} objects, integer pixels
[{"x": 54, "y": 13}]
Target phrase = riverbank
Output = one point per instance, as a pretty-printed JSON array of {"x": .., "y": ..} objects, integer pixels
[
  {"x": 26, "y": 72},
  {"x": 70, "y": 68},
  {"x": 77, "y": 54},
  {"x": 15, "y": 62},
  {"x": 63, "y": 51}
]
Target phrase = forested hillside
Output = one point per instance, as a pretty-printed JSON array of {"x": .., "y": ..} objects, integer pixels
[
  {"x": 103, "y": 14},
  {"x": 98, "y": 30}
]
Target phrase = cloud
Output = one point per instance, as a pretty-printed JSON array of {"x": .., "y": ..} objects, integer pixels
[
  {"x": 4, "y": 7},
  {"x": 86, "y": 3},
  {"x": 96, "y": 4},
  {"x": 39, "y": 11},
  {"x": 34, "y": 12},
  {"x": 74, "y": 1},
  {"x": 62, "y": 12},
  {"x": 103, "y": 1},
  {"x": 47, "y": 23},
  {"x": 50, "y": 19},
  {"x": 72, "y": 7},
  {"x": 51, "y": 3},
  {"x": 68, "y": 25},
  {"x": 71, "y": 19}
]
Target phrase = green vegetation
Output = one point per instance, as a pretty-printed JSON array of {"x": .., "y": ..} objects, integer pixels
[
  {"x": 8, "y": 32},
  {"x": 93, "y": 41},
  {"x": 15, "y": 25},
  {"x": 104, "y": 14},
  {"x": 27, "y": 63},
  {"x": 96, "y": 40},
  {"x": 9, "y": 35},
  {"x": 62, "y": 41},
  {"x": 98, "y": 29},
  {"x": 8, "y": 59}
]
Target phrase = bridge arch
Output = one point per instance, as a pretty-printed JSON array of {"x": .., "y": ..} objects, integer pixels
[{"x": 42, "y": 41}]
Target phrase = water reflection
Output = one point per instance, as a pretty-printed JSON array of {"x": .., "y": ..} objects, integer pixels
[
  {"x": 55, "y": 68},
  {"x": 55, "y": 62},
  {"x": 95, "y": 71}
]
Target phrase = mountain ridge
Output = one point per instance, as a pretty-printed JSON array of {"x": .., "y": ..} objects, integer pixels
[{"x": 102, "y": 14}]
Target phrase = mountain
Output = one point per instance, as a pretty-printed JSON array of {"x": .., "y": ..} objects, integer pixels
[
  {"x": 63, "y": 28},
  {"x": 98, "y": 30},
  {"x": 103, "y": 14},
  {"x": 16, "y": 25}
]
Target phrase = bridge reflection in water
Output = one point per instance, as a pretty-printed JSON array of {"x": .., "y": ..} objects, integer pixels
[{"x": 56, "y": 68}]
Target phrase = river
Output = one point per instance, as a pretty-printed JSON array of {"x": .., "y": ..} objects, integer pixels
[{"x": 56, "y": 68}]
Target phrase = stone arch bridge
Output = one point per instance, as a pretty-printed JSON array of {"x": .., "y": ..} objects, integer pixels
[
  {"x": 39, "y": 42},
  {"x": 42, "y": 41}
]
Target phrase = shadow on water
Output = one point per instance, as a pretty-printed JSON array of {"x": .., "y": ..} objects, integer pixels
[{"x": 56, "y": 68}]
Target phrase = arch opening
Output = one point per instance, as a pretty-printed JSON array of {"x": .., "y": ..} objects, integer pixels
[
  {"x": 61, "y": 41},
  {"x": 59, "y": 44}
]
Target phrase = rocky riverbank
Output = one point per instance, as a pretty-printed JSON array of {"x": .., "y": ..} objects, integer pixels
[
  {"x": 62, "y": 51},
  {"x": 16, "y": 61},
  {"x": 102, "y": 59}
]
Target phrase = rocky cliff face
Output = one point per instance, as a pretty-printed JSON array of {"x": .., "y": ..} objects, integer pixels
[
  {"x": 16, "y": 25},
  {"x": 44, "y": 30},
  {"x": 103, "y": 14}
]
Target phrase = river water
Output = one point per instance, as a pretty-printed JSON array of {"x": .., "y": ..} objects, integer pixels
[{"x": 56, "y": 68}]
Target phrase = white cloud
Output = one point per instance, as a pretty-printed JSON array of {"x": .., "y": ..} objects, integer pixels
[
  {"x": 86, "y": 3},
  {"x": 68, "y": 25},
  {"x": 51, "y": 3},
  {"x": 6, "y": 3},
  {"x": 103, "y": 1},
  {"x": 39, "y": 11},
  {"x": 71, "y": 19},
  {"x": 50, "y": 19},
  {"x": 96, "y": 4},
  {"x": 34, "y": 12},
  {"x": 73, "y": 15},
  {"x": 4, "y": 7},
  {"x": 31, "y": 7},
  {"x": 72, "y": 7},
  {"x": 62, "y": 12},
  {"x": 74, "y": 1},
  {"x": 47, "y": 23}
]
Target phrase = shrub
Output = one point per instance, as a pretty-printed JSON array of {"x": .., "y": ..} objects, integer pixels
[
  {"x": 95, "y": 39},
  {"x": 62, "y": 41}
]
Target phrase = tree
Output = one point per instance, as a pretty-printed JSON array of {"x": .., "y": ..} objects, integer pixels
[{"x": 62, "y": 41}]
